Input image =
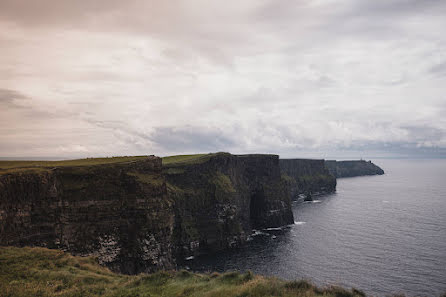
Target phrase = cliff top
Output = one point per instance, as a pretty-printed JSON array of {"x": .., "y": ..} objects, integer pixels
[
  {"x": 179, "y": 160},
  {"x": 197, "y": 158},
  {"x": 18, "y": 166}
]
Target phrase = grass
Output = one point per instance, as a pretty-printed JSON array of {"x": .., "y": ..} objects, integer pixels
[
  {"x": 43, "y": 272},
  {"x": 184, "y": 159},
  {"x": 223, "y": 182},
  {"x": 17, "y": 166}
]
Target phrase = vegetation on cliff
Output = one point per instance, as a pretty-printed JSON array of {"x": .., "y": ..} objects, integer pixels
[
  {"x": 307, "y": 176},
  {"x": 352, "y": 168},
  {"x": 19, "y": 166},
  {"x": 116, "y": 209},
  {"x": 219, "y": 198},
  {"x": 191, "y": 159},
  {"x": 44, "y": 272}
]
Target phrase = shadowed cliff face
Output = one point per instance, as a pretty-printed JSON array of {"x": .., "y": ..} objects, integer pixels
[
  {"x": 307, "y": 177},
  {"x": 353, "y": 168},
  {"x": 220, "y": 198},
  {"x": 117, "y": 212},
  {"x": 131, "y": 219}
]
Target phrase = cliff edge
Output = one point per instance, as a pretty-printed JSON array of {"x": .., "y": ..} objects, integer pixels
[
  {"x": 353, "y": 168},
  {"x": 220, "y": 198},
  {"x": 307, "y": 177},
  {"x": 136, "y": 214},
  {"x": 116, "y": 209}
]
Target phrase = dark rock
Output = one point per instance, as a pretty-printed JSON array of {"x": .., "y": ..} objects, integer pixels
[
  {"x": 308, "y": 197},
  {"x": 118, "y": 212},
  {"x": 353, "y": 168},
  {"x": 307, "y": 177},
  {"x": 132, "y": 220},
  {"x": 220, "y": 199}
]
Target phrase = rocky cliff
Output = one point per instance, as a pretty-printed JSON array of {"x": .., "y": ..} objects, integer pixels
[
  {"x": 353, "y": 168},
  {"x": 118, "y": 212},
  {"x": 307, "y": 177},
  {"x": 137, "y": 215},
  {"x": 221, "y": 197}
]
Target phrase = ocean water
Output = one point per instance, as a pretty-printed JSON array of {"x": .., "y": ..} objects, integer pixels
[{"x": 382, "y": 234}]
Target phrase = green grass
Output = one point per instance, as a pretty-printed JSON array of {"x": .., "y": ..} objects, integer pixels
[
  {"x": 17, "y": 166},
  {"x": 223, "y": 182},
  {"x": 184, "y": 159},
  {"x": 43, "y": 272}
]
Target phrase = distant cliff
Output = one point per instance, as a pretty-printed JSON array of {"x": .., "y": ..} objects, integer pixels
[
  {"x": 219, "y": 198},
  {"x": 137, "y": 215},
  {"x": 353, "y": 168},
  {"x": 307, "y": 177}
]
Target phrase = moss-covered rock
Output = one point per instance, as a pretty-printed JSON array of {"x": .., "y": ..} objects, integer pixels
[
  {"x": 307, "y": 177},
  {"x": 353, "y": 168},
  {"x": 219, "y": 198},
  {"x": 119, "y": 212}
]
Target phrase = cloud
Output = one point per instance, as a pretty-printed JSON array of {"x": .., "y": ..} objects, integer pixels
[
  {"x": 292, "y": 77},
  {"x": 191, "y": 139},
  {"x": 11, "y": 98},
  {"x": 439, "y": 69}
]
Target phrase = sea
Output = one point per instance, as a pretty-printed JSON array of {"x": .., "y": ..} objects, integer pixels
[{"x": 381, "y": 234}]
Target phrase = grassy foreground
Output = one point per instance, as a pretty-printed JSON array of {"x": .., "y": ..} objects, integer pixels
[{"x": 44, "y": 272}]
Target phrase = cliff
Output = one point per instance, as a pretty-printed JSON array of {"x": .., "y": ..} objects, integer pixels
[
  {"x": 220, "y": 198},
  {"x": 353, "y": 168},
  {"x": 119, "y": 211},
  {"x": 137, "y": 215},
  {"x": 307, "y": 177}
]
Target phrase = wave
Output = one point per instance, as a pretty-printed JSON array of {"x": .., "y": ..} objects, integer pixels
[
  {"x": 273, "y": 229},
  {"x": 257, "y": 232},
  {"x": 299, "y": 223},
  {"x": 313, "y": 201}
]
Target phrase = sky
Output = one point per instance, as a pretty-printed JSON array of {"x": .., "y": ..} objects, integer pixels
[{"x": 316, "y": 79}]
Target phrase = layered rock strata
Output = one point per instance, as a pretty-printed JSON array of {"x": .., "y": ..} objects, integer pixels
[
  {"x": 118, "y": 212},
  {"x": 137, "y": 216},
  {"x": 221, "y": 197},
  {"x": 353, "y": 168},
  {"x": 307, "y": 177}
]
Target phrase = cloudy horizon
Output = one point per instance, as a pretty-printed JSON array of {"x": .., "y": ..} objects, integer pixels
[{"x": 318, "y": 79}]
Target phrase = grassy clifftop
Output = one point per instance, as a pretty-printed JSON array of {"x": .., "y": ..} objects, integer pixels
[
  {"x": 44, "y": 272},
  {"x": 187, "y": 159},
  {"x": 17, "y": 166}
]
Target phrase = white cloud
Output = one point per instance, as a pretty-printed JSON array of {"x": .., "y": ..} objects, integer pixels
[{"x": 296, "y": 78}]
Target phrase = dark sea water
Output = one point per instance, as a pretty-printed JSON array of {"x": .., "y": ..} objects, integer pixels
[{"x": 381, "y": 234}]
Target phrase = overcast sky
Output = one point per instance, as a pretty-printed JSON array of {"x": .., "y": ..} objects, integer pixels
[{"x": 322, "y": 78}]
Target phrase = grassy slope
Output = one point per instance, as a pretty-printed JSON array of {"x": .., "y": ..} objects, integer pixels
[
  {"x": 43, "y": 272},
  {"x": 14, "y": 166},
  {"x": 185, "y": 159}
]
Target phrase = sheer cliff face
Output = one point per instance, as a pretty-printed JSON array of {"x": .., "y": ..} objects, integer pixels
[
  {"x": 353, "y": 168},
  {"x": 220, "y": 199},
  {"x": 119, "y": 212},
  {"x": 306, "y": 176},
  {"x": 134, "y": 217}
]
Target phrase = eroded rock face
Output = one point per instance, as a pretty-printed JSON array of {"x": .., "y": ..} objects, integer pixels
[
  {"x": 220, "y": 199},
  {"x": 353, "y": 168},
  {"x": 307, "y": 177},
  {"x": 119, "y": 212},
  {"x": 140, "y": 217}
]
